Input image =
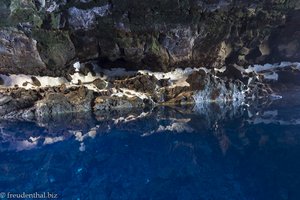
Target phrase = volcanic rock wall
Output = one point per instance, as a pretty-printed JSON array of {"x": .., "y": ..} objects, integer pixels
[{"x": 44, "y": 37}]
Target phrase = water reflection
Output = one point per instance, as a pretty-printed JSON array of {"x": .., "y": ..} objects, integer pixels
[
  {"x": 208, "y": 152},
  {"x": 25, "y": 135}
]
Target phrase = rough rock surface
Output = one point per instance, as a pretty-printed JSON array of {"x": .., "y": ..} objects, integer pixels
[
  {"x": 19, "y": 53},
  {"x": 68, "y": 40},
  {"x": 106, "y": 103},
  {"x": 144, "y": 90},
  {"x": 197, "y": 80},
  {"x": 141, "y": 83},
  {"x": 14, "y": 103},
  {"x": 145, "y": 34},
  {"x": 44, "y": 102}
]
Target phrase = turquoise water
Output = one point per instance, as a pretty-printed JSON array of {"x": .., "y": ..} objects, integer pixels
[{"x": 209, "y": 152}]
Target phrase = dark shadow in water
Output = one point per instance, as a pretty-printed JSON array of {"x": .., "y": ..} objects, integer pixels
[{"x": 207, "y": 152}]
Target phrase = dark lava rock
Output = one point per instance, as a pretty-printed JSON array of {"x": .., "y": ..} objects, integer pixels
[
  {"x": 17, "y": 99},
  {"x": 164, "y": 82},
  {"x": 197, "y": 80},
  {"x": 99, "y": 83},
  {"x": 109, "y": 103},
  {"x": 53, "y": 104},
  {"x": 141, "y": 83},
  {"x": 182, "y": 98},
  {"x": 171, "y": 93},
  {"x": 5, "y": 99},
  {"x": 56, "y": 103},
  {"x": 157, "y": 35},
  {"x": 35, "y": 81},
  {"x": 19, "y": 53},
  {"x": 55, "y": 48},
  {"x": 1, "y": 81},
  {"x": 87, "y": 68},
  {"x": 44, "y": 102},
  {"x": 285, "y": 42}
]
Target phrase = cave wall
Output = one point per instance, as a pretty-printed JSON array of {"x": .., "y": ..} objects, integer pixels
[{"x": 44, "y": 37}]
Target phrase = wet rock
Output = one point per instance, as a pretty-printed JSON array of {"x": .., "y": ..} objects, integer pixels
[
  {"x": 87, "y": 68},
  {"x": 170, "y": 93},
  {"x": 195, "y": 32},
  {"x": 81, "y": 99},
  {"x": 164, "y": 82},
  {"x": 141, "y": 83},
  {"x": 28, "y": 114},
  {"x": 116, "y": 103},
  {"x": 68, "y": 77},
  {"x": 87, "y": 45},
  {"x": 197, "y": 80},
  {"x": 99, "y": 83},
  {"x": 110, "y": 50},
  {"x": 16, "y": 100},
  {"x": 134, "y": 54},
  {"x": 82, "y": 91},
  {"x": 5, "y": 99},
  {"x": 63, "y": 88},
  {"x": 182, "y": 98},
  {"x": 45, "y": 103},
  {"x": 215, "y": 93},
  {"x": 53, "y": 104},
  {"x": 35, "y": 81}
]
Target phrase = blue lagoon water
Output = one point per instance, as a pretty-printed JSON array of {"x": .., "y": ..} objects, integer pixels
[{"x": 207, "y": 152}]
